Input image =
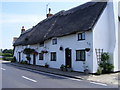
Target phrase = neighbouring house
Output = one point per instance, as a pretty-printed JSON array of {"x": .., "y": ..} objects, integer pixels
[{"x": 74, "y": 37}]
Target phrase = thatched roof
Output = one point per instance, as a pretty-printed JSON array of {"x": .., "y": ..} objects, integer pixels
[{"x": 81, "y": 18}]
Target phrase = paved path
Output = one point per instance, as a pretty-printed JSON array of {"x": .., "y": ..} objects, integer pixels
[{"x": 19, "y": 77}]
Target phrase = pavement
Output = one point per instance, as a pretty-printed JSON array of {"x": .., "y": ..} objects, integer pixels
[{"x": 111, "y": 79}]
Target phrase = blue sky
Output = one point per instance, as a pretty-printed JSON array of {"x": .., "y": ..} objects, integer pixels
[{"x": 18, "y": 14}]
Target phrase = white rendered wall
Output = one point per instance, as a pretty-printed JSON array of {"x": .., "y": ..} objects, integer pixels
[
  {"x": 71, "y": 42},
  {"x": 105, "y": 37}
]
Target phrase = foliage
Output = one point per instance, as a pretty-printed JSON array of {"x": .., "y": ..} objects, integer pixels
[
  {"x": 24, "y": 62},
  {"x": 105, "y": 65},
  {"x": 7, "y": 55},
  {"x": 99, "y": 71},
  {"x": 14, "y": 59},
  {"x": 28, "y": 58},
  {"x": 28, "y": 51},
  {"x": 1, "y": 53},
  {"x": 8, "y": 58},
  {"x": 105, "y": 57},
  {"x": 8, "y": 51}
]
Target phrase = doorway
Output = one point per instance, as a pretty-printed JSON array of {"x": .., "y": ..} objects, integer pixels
[
  {"x": 34, "y": 59},
  {"x": 19, "y": 55},
  {"x": 68, "y": 57}
]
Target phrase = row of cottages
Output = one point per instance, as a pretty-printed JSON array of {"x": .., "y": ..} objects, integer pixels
[{"x": 74, "y": 37}]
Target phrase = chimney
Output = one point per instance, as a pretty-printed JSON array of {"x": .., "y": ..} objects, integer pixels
[
  {"x": 23, "y": 29},
  {"x": 14, "y": 39},
  {"x": 49, "y": 14}
]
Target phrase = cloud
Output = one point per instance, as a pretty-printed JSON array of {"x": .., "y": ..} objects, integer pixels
[{"x": 17, "y": 18}]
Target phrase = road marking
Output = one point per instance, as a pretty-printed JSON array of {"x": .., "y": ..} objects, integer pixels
[
  {"x": 99, "y": 83},
  {"x": 75, "y": 79},
  {"x": 3, "y": 69},
  {"x": 55, "y": 75},
  {"x": 29, "y": 79}
]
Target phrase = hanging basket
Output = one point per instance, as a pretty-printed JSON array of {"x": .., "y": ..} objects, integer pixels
[
  {"x": 61, "y": 48},
  {"x": 87, "y": 49},
  {"x": 36, "y": 53},
  {"x": 44, "y": 51}
]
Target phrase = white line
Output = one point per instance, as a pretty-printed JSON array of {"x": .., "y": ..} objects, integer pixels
[
  {"x": 75, "y": 79},
  {"x": 3, "y": 69},
  {"x": 99, "y": 83},
  {"x": 55, "y": 75},
  {"x": 29, "y": 79}
]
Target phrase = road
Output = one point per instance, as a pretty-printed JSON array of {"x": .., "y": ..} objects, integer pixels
[{"x": 18, "y": 77}]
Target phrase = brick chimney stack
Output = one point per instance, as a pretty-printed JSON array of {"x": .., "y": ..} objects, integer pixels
[
  {"x": 23, "y": 29},
  {"x": 14, "y": 39},
  {"x": 49, "y": 14}
]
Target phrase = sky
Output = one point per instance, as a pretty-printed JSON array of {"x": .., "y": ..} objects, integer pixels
[{"x": 17, "y": 13}]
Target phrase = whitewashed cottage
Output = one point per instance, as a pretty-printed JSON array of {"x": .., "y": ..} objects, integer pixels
[{"x": 73, "y": 37}]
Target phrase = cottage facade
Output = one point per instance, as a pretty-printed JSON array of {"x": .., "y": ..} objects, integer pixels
[{"x": 75, "y": 37}]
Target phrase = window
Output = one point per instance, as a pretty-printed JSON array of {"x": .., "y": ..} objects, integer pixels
[
  {"x": 42, "y": 44},
  {"x": 80, "y": 55},
  {"x": 81, "y": 36},
  {"x": 53, "y": 56},
  {"x": 54, "y": 41},
  {"x": 40, "y": 56}
]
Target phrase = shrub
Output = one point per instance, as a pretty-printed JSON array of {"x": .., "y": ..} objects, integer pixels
[
  {"x": 107, "y": 67},
  {"x": 8, "y": 58},
  {"x": 7, "y": 54},
  {"x": 28, "y": 51},
  {"x": 24, "y": 62},
  {"x": 99, "y": 71},
  {"x": 14, "y": 59}
]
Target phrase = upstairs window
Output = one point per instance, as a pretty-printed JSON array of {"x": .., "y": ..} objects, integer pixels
[
  {"x": 40, "y": 56},
  {"x": 53, "y": 56},
  {"x": 80, "y": 55},
  {"x": 81, "y": 36},
  {"x": 54, "y": 41}
]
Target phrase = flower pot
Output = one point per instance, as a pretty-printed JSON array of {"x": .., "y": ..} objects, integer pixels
[{"x": 86, "y": 71}]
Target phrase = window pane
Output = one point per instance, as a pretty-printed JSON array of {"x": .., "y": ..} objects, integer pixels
[
  {"x": 79, "y": 36},
  {"x": 40, "y": 56},
  {"x": 54, "y": 41},
  {"x": 83, "y": 35},
  {"x": 77, "y": 55},
  {"x": 53, "y": 56},
  {"x": 82, "y": 55}
]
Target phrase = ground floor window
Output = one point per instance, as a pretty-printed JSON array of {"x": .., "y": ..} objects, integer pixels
[
  {"x": 53, "y": 56},
  {"x": 80, "y": 55},
  {"x": 41, "y": 57}
]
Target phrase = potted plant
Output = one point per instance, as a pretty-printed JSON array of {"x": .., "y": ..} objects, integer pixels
[
  {"x": 62, "y": 67},
  {"x": 61, "y": 48},
  {"x": 46, "y": 65},
  {"x": 69, "y": 68},
  {"x": 44, "y": 51},
  {"x": 87, "y": 49}
]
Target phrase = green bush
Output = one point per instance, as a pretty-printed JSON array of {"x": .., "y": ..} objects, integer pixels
[
  {"x": 107, "y": 67},
  {"x": 99, "y": 71},
  {"x": 14, "y": 59},
  {"x": 8, "y": 58},
  {"x": 7, "y": 54},
  {"x": 24, "y": 62}
]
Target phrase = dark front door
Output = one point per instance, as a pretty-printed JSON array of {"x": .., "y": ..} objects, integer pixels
[
  {"x": 19, "y": 56},
  {"x": 68, "y": 57},
  {"x": 34, "y": 59}
]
